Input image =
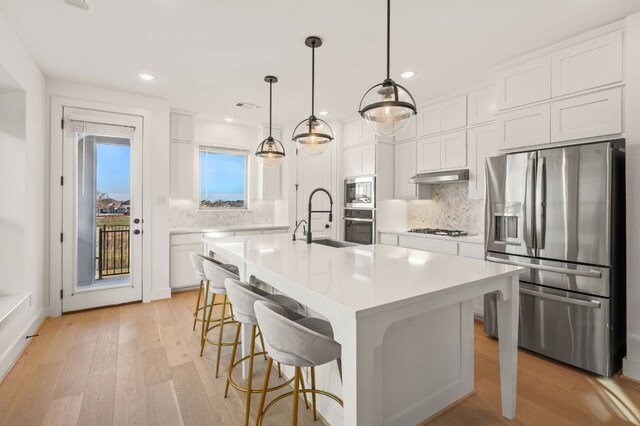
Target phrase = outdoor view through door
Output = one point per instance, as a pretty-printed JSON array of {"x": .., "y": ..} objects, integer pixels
[{"x": 101, "y": 209}]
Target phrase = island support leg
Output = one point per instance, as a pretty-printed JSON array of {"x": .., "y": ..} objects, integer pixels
[{"x": 508, "y": 308}]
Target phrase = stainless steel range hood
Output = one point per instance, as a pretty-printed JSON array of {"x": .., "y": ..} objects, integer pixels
[{"x": 448, "y": 176}]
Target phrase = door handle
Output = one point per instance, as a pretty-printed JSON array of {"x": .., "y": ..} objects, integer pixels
[
  {"x": 589, "y": 274},
  {"x": 529, "y": 235},
  {"x": 586, "y": 303},
  {"x": 541, "y": 198},
  {"x": 136, "y": 231},
  {"x": 136, "y": 221}
]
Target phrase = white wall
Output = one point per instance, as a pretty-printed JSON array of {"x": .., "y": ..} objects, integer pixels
[
  {"x": 29, "y": 274},
  {"x": 156, "y": 150},
  {"x": 632, "y": 134}
]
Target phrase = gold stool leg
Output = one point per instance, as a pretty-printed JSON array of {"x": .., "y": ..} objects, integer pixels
[
  {"x": 296, "y": 391},
  {"x": 264, "y": 392},
  {"x": 195, "y": 313},
  {"x": 264, "y": 349},
  {"x": 224, "y": 309},
  {"x": 313, "y": 392},
  {"x": 250, "y": 377},
  {"x": 279, "y": 371},
  {"x": 233, "y": 359},
  {"x": 205, "y": 323}
]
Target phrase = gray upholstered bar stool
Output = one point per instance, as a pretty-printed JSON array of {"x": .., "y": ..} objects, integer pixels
[
  {"x": 298, "y": 342},
  {"x": 243, "y": 296},
  {"x": 216, "y": 273}
]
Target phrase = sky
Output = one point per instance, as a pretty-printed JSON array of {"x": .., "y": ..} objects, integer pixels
[
  {"x": 113, "y": 174},
  {"x": 221, "y": 176}
]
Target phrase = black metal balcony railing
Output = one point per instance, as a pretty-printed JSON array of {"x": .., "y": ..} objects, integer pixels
[{"x": 113, "y": 250}]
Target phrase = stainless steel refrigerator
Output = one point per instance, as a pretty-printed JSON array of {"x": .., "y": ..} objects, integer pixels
[{"x": 560, "y": 213}]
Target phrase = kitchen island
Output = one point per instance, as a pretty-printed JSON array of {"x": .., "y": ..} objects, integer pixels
[{"x": 404, "y": 319}]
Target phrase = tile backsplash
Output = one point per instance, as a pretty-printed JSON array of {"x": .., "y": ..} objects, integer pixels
[
  {"x": 185, "y": 213},
  {"x": 449, "y": 207}
]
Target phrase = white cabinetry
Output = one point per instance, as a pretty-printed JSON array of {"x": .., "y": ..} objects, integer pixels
[
  {"x": 595, "y": 114},
  {"x": 481, "y": 105},
  {"x": 524, "y": 127},
  {"x": 482, "y": 144},
  {"x": 593, "y": 63},
  {"x": 429, "y": 120},
  {"x": 405, "y": 168},
  {"x": 524, "y": 84},
  {"x": 453, "y": 150},
  {"x": 181, "y": 170},
  {"x": 357, "y": 132},
  {"x": 428, "y": 154},
  {"x": 360, "y": 160},
  {"x": 454, "y": 113},
  {"x": 181, "y": 127}
]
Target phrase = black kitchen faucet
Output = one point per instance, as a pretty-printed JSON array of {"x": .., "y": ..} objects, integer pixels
[{"x": 330, "y": 211}]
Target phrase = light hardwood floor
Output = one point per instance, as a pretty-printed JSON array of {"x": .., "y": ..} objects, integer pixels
[{"x": 139, "y": 364}]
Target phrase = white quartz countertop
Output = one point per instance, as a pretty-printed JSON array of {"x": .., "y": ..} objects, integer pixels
[
  {"x": 205, "y": 229},
  {"x": 359, "y": 279},
  {"x": 473, "y": 239}
]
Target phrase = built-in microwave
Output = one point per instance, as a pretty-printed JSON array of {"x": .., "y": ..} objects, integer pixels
[{"x": 360, "y": 192}]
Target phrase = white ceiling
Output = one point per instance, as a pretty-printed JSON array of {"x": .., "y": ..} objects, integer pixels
[{"x": 208, "y": 54}]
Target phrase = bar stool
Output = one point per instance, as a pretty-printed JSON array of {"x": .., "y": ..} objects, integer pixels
[
  {"x": 243, "y": 296},
  {"x": 196, "y": 262},
  {"x": 216, "y": 273},
  {"x": 297, "y": 342}
]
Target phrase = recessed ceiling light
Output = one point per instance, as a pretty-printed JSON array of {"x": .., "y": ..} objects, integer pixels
[
  {"x": 229, "y": 119},
  {"x": 145, "y": 76},
  {"x": 407, "y": 74},
  {"x": 323, "y": 112}
]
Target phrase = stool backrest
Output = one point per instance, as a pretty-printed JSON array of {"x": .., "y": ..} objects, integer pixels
[
  {"x": 291, "y": 343},
  {"x": 196, "y": 262},
  {"x": 216, "y": 273},
  {"x": 242, "y": 297}
]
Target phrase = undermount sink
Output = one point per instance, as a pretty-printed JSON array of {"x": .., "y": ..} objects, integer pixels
[{"x": 333, "y": 243}]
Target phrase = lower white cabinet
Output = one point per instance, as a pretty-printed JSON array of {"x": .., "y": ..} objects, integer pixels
[
  {"x": 389, "y": 239},
  {"x": 594, "y": 114},
  {"x": 482, "y": 144},
  {"x": 405, "y": 169},
  {"x": 428, "y": 244},
  {"x": 524, "y": 127}
]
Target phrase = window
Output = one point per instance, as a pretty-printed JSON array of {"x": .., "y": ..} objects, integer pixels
[{"x": 223, "y": 178}]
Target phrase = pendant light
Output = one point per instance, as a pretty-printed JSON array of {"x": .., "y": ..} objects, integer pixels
[
  {"x": 270, "y": 151},
  {"x": 387, "y": 106},
  {"x": 312, "y": 135}
]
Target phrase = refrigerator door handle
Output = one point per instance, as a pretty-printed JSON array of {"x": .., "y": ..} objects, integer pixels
[
  {"x": 589, "y": 274},
  {"x": 529, "y": 207},
  {"x": 587, "y": 303},
  {"x": 541, "y": 198}
]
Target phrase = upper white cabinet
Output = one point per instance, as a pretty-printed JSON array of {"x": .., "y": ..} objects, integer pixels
[
  {"x": 481, "y": 105},
  {"x": 524, "y": 84},
  {"x": 594, "y": 114},
  {"x": 360, "y": 160},
  {"x": 593, "y": 63},
  {"x": 181, "y": 127},
  {"x": 454, "y": 113},
  {"x": 453, "y": 150},
  {"x": 428, "y": 154},
  {"x": 482, "y": 144},
  {"x": 524, "y": 127},
  {"x": 357, "y": 132},
  {"x": 405, "y": 169},
  {"x": 408, "y": 132},
  {"x": 181, "y": 170},
  {"x": 429, "y": 120}
]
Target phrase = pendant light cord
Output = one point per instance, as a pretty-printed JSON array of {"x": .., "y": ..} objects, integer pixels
[
  {"x": 313, "y": 76},
  {"x": 270, "y": 104},
  {"x": 388, "y": 38}
]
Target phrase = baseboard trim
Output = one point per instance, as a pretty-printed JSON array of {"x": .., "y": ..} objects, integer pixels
[
  {"x": 164, "y": 293},
  {"x": 14, "y": 351}
]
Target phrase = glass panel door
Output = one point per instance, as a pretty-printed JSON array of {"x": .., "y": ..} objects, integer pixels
[{"x": 101, "y": 210}]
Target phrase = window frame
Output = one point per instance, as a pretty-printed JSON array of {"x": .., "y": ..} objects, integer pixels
[{"x": 227, "y": 150}]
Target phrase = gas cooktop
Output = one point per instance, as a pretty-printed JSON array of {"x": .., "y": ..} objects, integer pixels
[{"x": 437, "y": 231}]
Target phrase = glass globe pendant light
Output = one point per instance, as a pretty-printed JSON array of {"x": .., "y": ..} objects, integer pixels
[
  {"x": 387, "y": 107},
  {"x": 312, "y": 135},
  {"x": 270, "y": 151}
]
